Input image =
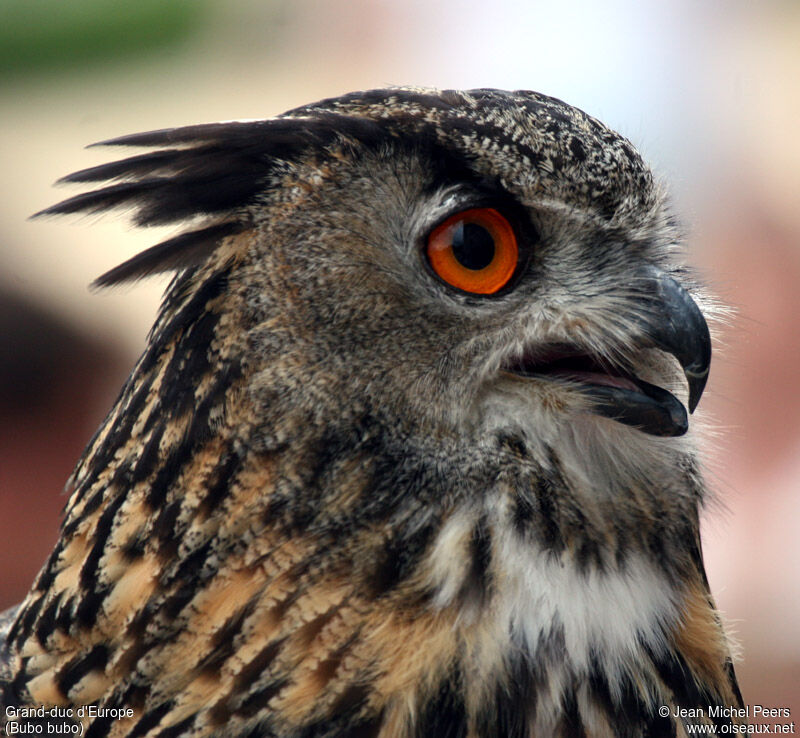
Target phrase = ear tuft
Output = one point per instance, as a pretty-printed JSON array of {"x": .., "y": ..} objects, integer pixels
[
  {"x": 185, "y": 250},
  {"x": 215, "y": 171}
]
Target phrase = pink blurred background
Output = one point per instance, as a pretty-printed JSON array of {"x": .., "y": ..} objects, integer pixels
[{"x": 709, "y": 92}]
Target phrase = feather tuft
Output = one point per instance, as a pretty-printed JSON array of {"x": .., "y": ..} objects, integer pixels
[{"x": 182, "y": 251}]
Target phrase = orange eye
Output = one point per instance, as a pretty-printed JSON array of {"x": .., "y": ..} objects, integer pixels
[{"x": 475, "y": 251}]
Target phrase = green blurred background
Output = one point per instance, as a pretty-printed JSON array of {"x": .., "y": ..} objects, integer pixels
[
  {"x": 38, "y": 36},
  {"x": 709, "y": 91}
]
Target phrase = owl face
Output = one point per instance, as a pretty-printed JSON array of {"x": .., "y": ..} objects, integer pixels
[{"x": 473, "y": 290}]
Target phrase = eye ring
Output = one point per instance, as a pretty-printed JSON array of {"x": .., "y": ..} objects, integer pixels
[{"x": 475, "y": 251}]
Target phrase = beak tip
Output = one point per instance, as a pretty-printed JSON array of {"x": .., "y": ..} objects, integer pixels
[{"x": 697, "y": 383}]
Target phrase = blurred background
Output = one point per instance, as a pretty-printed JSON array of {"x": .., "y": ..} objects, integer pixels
[{"x": 709, "y": 92}]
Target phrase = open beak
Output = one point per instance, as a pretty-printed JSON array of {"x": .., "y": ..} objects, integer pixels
[{"x": 671, "y": 322}]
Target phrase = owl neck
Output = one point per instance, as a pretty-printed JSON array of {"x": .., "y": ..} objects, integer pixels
[{"x": 581, "y": 600}]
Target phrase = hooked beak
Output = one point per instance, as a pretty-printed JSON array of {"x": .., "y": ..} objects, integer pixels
[
  {"x": 678, "y": 327},
  {"x": 671, "y": 322}
]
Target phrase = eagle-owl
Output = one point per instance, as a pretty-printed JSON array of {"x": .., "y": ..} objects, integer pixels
[{"x": 407, "y": 453}]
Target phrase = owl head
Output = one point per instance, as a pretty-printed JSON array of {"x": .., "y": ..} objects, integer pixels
[{"x": 459, "y": 262}]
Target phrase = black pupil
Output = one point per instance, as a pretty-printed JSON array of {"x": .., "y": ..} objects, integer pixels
[{"x": 473, "y": 246}]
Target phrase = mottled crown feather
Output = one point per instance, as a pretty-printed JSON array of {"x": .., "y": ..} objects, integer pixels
[{"x": 217, "y": 171}]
